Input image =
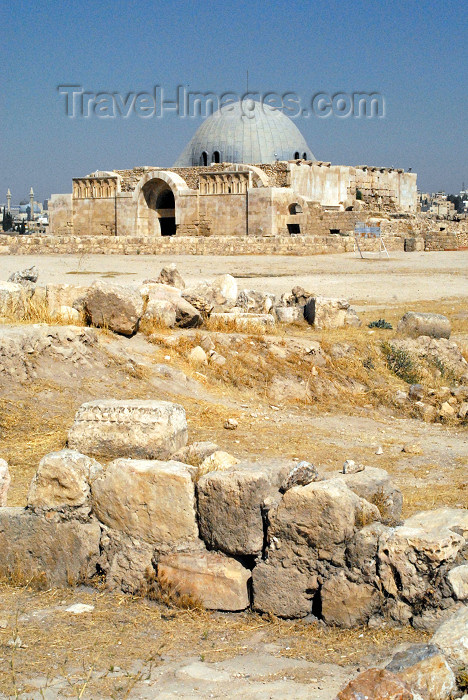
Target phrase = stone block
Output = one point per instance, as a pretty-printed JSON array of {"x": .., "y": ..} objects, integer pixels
[
  {"x": 114, "y": 306},
  {"x": 63, "y": 481},
  {"x": 58, "y": 295},
  {"x": 458, "y": 580},
  {"x": 144, "y": 429},
  {"x": 455, "y": 519},
  {"x": 375, "y": 486},
  {"x": 415, "y": 324},
  {"x": 426, "y": 670},
  {"x": 347, "y": 604},
  {"x": 220, "y": 583},
  {"x": 55, "y": 553},
  {"x": 283, "y": 591},
  {"x": 323, "y": 312},
  {"x": 377, "y": 684},
  {"x": 230, "y": 510},
  {"x": 452, "y": 637},
  {"x": 147, "y": 499}
]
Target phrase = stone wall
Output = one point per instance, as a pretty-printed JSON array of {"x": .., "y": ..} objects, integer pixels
[{"x": 187, "y": 245}]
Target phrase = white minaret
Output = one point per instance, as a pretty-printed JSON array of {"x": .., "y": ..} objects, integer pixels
[
  {"x": 8, "y": 199},
  {"x": 31, "y": 205}
]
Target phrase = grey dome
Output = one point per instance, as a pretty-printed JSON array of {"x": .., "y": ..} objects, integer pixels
[{"x": 248, "y": 132}]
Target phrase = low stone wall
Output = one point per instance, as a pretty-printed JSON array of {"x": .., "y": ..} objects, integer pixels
[
  {"x": 188, "y": 245},
  {"x": 279, "y": 538}
]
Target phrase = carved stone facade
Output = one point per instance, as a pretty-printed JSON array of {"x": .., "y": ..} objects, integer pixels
[{"x": 276, "y": 199}]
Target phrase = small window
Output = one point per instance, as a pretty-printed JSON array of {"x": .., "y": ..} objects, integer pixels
[
  {"x": 304, "y": 155},
  {"x": 296, "y": 155},
  {"x": 295, "y": 209},
  {"x": 204, "y": 158},
  {"x": 216, "y": 158},
  {"x": 294, "y": 229}
]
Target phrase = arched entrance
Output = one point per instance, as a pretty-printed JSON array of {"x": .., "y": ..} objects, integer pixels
[{"x": 157, "y": 209}]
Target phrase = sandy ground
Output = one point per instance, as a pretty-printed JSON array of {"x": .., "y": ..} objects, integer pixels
[{"x": 404, "y": 277}]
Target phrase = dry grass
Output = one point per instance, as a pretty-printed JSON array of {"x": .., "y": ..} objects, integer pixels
[
  {"x": 36, "y": 310},
  {"x": 133, "y": 634}
]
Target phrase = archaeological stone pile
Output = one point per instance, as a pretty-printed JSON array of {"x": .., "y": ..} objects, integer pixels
[{"x": 272, "y": 536}]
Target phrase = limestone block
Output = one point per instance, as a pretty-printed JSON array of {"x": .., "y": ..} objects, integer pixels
[
  {"x": 198, "y": 356},
  {"x": 230, "y": 510},
  {"x": 289, "y": 314},
  {"x": 426, "y": 670},
  {"x": 452, "y": 637},
  {"x": 187, "y": 316},
  {"x": 12, "y": 300},
  {"x": 171, "y": 276},
  {"x": 251, "y": 301},
  {"x": 135, "y": 428},
  {"x": 455, "y": 519},
  {"x": 323, "y": 312},
  {"x": 114, "y": 306},
  {"x": 321, "y": 515},
  {"x": 347, "y": 604},
  {"x": 220, "y": 583},
  {"x": 244, "y": 322},
  {"x": 126, "y": 562},
  {"x": 224, "y": 291},
  {"x": 156, "y": 291},
  {"x": 59, "y": 553},
  {"x": 67, "y": 314},
  {"x": 217, "y": 461},
  {"x": 195, "y": 453},
  {"x": 415, "y": 324},
  {"x": 159, "y": 313},
  {"x": 379, "y": 685},
  {"x": 58, "y": 295},
  {"x": 302, "y": 474},
  {"x": 29, "y": 275},
  {"x": 458, "y": 579},
  {"x": 283, "y": 591},
  {"x": 63, "y": 480},
  {"x": 409, "y": 559},
  {"x": 5, "y": 480},
  {"x": 375, "y": 486},
  {"x": 147, "y": 499}
]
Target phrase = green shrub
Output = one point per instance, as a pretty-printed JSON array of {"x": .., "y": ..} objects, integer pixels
[
  {"x": 400, "y": 362},
  {"x": 381, "y": 323}
]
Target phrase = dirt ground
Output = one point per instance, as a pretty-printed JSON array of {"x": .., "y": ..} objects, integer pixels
[
  {"x": 133, "y": 648},
  {"x": 403, "y": 278}
]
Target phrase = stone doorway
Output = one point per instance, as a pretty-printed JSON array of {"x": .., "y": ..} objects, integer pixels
[{"x": 157, "y": 210}]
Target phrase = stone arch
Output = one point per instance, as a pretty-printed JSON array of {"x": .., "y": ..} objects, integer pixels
[{"x": 156, "y": 197}]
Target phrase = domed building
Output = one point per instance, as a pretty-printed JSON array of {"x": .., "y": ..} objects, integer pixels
[
  {"x": 247, "y": 171},
  {"x": 245, "y": 132}
]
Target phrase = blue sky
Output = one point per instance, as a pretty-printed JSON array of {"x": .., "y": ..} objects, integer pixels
[{"x": 413, "y": 53}]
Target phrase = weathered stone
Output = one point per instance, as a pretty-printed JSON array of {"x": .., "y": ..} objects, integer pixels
[
  {"x": 323, "y": 312},
  {"x": 197, "y": 356},
  {"x": 409, "y": 559},
  {"x": 63, "y": 480},
  {"x": 416, "y": 392},
  {"x": 171, "y": 276},
  {"x": 251, "y": 301},
  {"x": 5, "y": 480},
  {"x": 347, "y": 604},
  {"x": 452, "y": 637},
  {"x": 158, "y": 313},
  {"x": 426, "y": 670},
  {"x": 458, "y": 579},
  {"x": 455, "y": 519},
  {"x": 463, "y": 410},
  {"x": 132, "y": 428},
  {"x": 150, "y": 500},
  {"x": 57, "y": 553},
  {"x": 243, "y": 322},
  {"x": 58, "y": 295},
  {"x": 375, "y": 486},
  {"x": 217, "y": 461},
  {"x": 362, "y": 549},
  {"x": 125, "y": 561},
  {"x": 352, "y": 319},
  {"x": 302, "y": 474},
  {"x": 289, "y": 314},
  {"x": 415, "y": 324},
  {"x": 376, "y": 684},
  {"x": 187, "y": 316},
  {"x": 218, "y": 582},
  {"x": 283, "y": 591},
  {"x": 446, "y": 410},
  {"x": 231, "y": 424},
  {"x": 114, "y": 306},
  {"x": 320, "y": 515},
  {"x": 230, "y": 510},
  {"x": 195, "y": 453},
  {"x": 200, "y": 296},
  {"x": 12, "y": 300},
  {"x": 30, "y": 274},
  {"x": 224, "y": 291}
]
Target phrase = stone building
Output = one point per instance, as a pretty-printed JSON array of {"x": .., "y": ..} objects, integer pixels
[{"x": 240, "y": 175}]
